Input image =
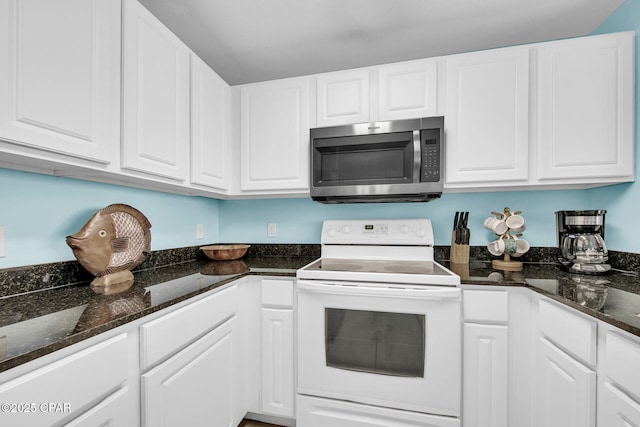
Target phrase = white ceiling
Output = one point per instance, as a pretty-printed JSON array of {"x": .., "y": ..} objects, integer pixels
[{"x": 255, "y": 40}]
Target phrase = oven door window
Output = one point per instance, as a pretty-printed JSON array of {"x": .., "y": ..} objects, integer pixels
[{"x": 375, "y": 342}]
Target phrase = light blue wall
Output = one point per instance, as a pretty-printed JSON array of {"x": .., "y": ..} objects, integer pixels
[
  {"x": 38, "y": 211},
  {"x": 623, "y": 201},
  {"x": 300, "y": 220}
]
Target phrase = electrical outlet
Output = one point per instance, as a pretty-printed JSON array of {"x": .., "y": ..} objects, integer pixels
[
  {"x": 3, "y": 250},
  {"x": 271, "y": 229},
  {"x": 199, "y": 231}
]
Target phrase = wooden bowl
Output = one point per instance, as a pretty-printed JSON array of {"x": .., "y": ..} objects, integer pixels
[{"x": 224, "y": 252}]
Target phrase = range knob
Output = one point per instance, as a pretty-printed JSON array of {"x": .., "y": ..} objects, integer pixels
[
  {"x": 331, "y": 232},
  {"x": 420, "y": 232},
  {"x": 404, "y": 229},
  {"x": 345, "y": 229}
]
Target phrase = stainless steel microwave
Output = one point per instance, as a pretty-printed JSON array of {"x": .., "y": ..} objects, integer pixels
[{"x": 394, "y": 161}]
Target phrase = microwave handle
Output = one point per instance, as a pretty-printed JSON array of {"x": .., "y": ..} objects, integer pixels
[
  {"x": 417, "y": 156},
  {"x": 440, "y": 293}
]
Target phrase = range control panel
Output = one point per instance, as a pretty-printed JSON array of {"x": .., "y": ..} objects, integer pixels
[{"x": 378, "y": 232}]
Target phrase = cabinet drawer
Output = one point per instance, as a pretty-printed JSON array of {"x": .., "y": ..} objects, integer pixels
[
  {"x": 621, "y": 363},
  {"x": 168, "y": 334},
  {"x": 112, "y": 411},
  {"x": 570, "y": 331},
  {"x": 72, "y": 383},
  {"x": 278, "y": 293},
  {"x": 485, "y": 306}
]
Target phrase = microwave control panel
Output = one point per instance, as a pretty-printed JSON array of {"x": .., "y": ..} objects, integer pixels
[{"x": 430, "y": 147}]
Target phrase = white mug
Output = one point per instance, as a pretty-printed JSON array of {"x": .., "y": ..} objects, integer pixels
[
  {"x": 496, "y": 248},
  {"x": 496, "y": 225},
  {"x": 522, "y": 247},
  {"x": 515, "y": 223}
]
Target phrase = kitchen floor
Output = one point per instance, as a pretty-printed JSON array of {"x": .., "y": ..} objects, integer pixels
[{"x": 251, "y": 423}]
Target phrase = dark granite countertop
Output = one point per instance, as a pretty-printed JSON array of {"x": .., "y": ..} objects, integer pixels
[
  {"x": 37, "y": 323},
  {"x": 613, "y": 298}
]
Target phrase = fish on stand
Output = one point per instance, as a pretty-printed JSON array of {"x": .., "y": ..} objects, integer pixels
[{"x": 115, "y": 240}]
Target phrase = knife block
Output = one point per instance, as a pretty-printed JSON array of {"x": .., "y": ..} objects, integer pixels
[{"x": 459, "y": 254}]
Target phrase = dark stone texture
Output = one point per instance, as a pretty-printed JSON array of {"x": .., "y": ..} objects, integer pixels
[{"x": 171, "y": 276}]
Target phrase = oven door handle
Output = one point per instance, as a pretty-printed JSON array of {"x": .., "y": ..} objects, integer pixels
[{"x": 433, "y": 293}]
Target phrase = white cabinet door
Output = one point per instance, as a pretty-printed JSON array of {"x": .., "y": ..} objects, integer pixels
[
  {"x": 585, "y": 108},
  {"x": 278, "y": 389},
  {"x": 487, "y": 117},
  {"x": 619, "y": 388},
  {"x": 408, "y": 90},
  {"x": 274, "y": 142},
  {"x": 616, "y": 408},
  {"x": 277, "y": 342},
  {"x": 156, "y": 96},
  {"x": 486, "y": 375},
  {"x": 210, "y": 126},
  {"x": 566, "y": 390},
  {"x": 60, "y": 76},
  {"x": 343, "y": 98},
  {"x": 196, "y": 386}
]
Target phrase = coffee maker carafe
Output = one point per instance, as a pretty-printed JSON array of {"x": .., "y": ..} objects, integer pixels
[{"x": 581, "y": 241}]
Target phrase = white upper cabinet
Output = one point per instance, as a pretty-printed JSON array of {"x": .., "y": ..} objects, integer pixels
[
  {"x": 274, "y": 141},
  {"x": 487, "y": 117},
  {"x": 585, "y": 108},
  {"x": 156, "y": 96},
  {"x": 60, "y": 75},
  {"x": 408, "y": 90},
  {"x": 343, "y": 97},
  {"x": 210, "y": 126},
  {"x": 402, "y": 90}
]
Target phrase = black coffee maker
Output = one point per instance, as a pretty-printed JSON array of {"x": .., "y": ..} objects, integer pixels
[{"x": 581, "y": 241}]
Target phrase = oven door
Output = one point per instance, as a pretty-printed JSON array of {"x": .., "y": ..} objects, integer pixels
[{"x": 380, "y": 344}]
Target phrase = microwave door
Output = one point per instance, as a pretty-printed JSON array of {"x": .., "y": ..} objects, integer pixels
[{"x": 366, "y": 160}]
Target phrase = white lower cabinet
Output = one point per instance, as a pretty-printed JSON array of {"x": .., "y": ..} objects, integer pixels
[
  {"x": 485, "y": 358},
  {"x": 277, "y": 362},
  {"x": 194, "y": 387},
  {"x": 277, "y": 337},
  {"x": 619, "y": 380},
  {"x": 194, "y": 355},
  {"x": 88, "y": 387},
  {"x": 486, "y": 375},
  {"x": 616, "y": 408},
  {"x": 318, "y": 412},
  {"x": 566, "y": 392},
  {"x": 565, "y": 367}
]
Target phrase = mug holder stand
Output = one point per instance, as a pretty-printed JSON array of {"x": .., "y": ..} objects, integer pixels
[{"x": 506, "y": 264}]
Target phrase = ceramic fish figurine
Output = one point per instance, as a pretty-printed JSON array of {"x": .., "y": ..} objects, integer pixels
[{"x": 115, "y": 240}]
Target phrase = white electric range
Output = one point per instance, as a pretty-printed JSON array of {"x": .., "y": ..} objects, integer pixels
[{"x": 379, "y": 331}]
